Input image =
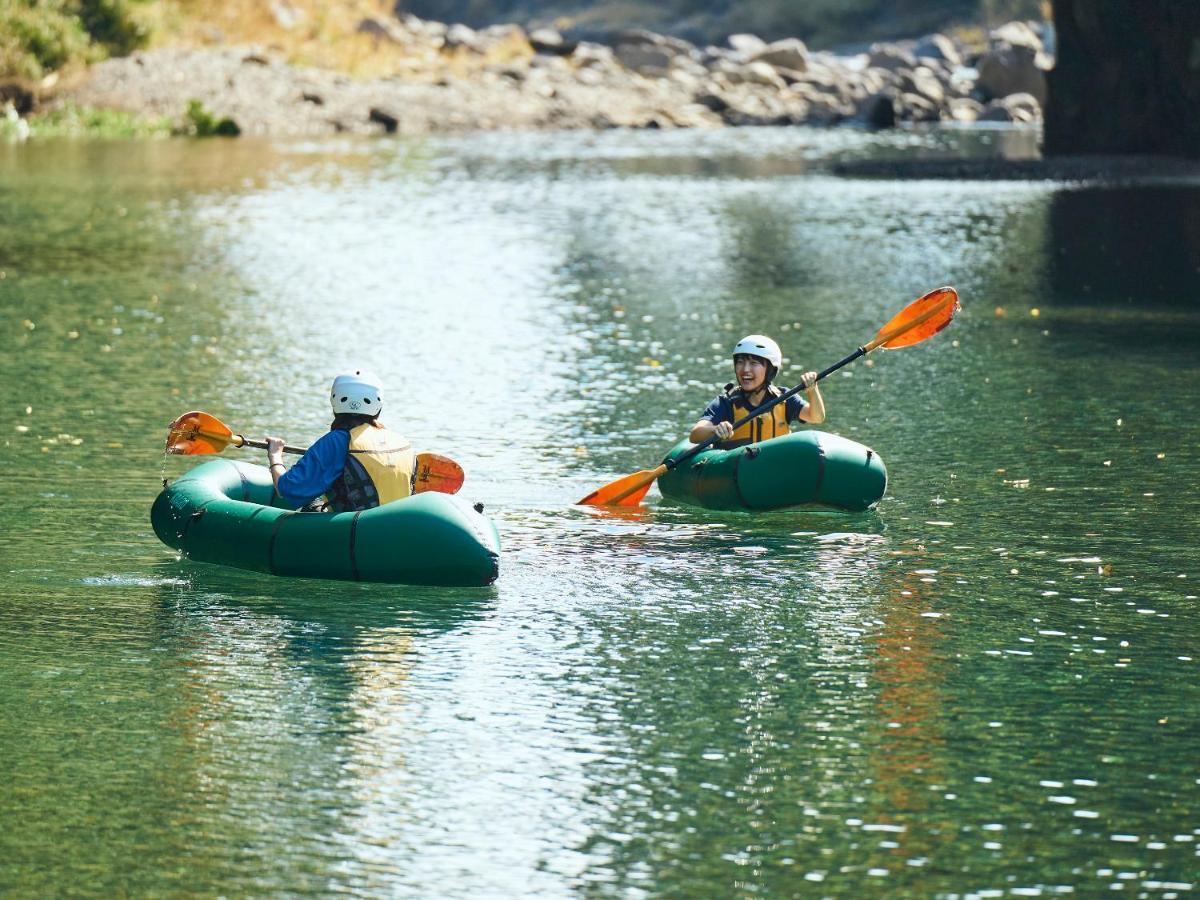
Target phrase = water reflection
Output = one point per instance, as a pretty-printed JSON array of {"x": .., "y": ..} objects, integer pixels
[
  {"x": 1125, "y": 247},
  {"x": 666, "y": 701}
]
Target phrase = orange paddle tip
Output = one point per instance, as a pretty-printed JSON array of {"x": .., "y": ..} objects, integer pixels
[
  {"x": 626, "y": 491},
  {"x": 437, "y": 473},
  {"x": 197, "y": 433},
  {"x": 921, "y": 319}
]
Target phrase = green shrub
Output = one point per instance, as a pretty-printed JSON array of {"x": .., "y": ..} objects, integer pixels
[
  {"x": 111, "y": 23},
  {"x": 202, "y": 123},
  {"x": 39, "y": 36},
  {"x": 36, "y": 39}
]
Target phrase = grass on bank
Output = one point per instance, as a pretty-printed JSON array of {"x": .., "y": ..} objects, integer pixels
[{"x": 68, "y": 120}]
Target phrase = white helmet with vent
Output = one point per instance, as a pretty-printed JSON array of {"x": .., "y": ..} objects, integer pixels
[
  {"x": 356, "y": 392},
  {"x": 761, "y": 346}
]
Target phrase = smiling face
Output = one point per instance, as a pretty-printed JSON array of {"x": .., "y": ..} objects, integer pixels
[{"x": 750, "y": 372}]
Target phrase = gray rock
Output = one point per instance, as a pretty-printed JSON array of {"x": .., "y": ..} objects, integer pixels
[
  {"x": 462, "y": 36},
  {"x": 918, "y": 109},
  {"x": 746, "y": 45},
  {"x": 1021, "y": 108},
  {"x": 1008, "y": 69},
  {"x": 938, "y": 46},
  {"x": 789, "y": 53},
  {"x": 891, "y": 57},
  {"x": 762, "y": 73},
  {"x": 640, "y": 36},
  {"x": 548, "y": 40},
  {"x": 595, "y": 55},
  {"x": 1016, "y": 34},
  {"x": 927, "y": 85},
  {"x": 964, "y": 109},
  {"x": 644, "y": 59}
]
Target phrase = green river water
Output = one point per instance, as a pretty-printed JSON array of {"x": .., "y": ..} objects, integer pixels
[{"x": 986, "y": 687}]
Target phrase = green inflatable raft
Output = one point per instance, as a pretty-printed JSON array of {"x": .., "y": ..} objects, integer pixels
[
  {"x": 799, "y": 468},
  {"x": 220, "y": 512}
]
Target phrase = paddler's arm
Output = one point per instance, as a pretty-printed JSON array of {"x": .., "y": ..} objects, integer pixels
[
  {"x": 717, "y": 417},
  {"x": 275, "y": 460},
  {"x": 704, "y": 429},
  {"x": 814, "y": 411},
  {"x": 313, "y": 473}
]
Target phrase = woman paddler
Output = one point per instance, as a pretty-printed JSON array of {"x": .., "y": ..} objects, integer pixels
[
  {"x": 358, "y": 464},
  {"x": 756, "y": 362}
]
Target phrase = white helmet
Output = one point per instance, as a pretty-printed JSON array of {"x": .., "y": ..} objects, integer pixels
[
  {"x": 356, "y": 392},
  {"x": 761, "y": 346}
]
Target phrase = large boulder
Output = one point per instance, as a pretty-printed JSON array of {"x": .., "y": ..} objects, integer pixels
[
  {"x": 1010, "y": 69},
  {"x": 891, "y": 57},
  {"x": 648, "y": 53},
  {"x": 764, "y": 74},
  {"x": 596, "y": 56},
  {"x": 1016, "y": 34},
  {"x": 789, "y": 53},
  {"x": 746, "y": 45},
  {"x": 923, "y": 82},
  {"x": 916, "y": 108},
  {"x": 938, "y": 46},
  {"x": 551, "y": 41}
]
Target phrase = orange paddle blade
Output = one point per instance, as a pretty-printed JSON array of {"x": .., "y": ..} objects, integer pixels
[
  {"x": 626, "y": 491},
  {"x": 437, "y": 473},
  {"x": 921, "y": 319},
  {"x": 196, "y": 433}
]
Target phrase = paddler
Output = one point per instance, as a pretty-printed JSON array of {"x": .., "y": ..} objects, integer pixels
[
  {"x": 756, "y": 362},
  {"x": 358, "y": 464}
]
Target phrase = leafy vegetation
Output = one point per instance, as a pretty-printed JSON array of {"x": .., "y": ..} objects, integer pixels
[
  {"x": 202, "y": 123},
  {"x": 41, "y": 36}
]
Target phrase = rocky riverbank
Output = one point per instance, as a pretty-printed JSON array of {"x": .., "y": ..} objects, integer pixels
[{"x": 453, "y": 78}]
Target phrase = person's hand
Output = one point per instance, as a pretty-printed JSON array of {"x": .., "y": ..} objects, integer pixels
[
  {"x": 808, "y": 379},
  {"x": 724, "y": 430},
  {"x": 274, "y": 451}
]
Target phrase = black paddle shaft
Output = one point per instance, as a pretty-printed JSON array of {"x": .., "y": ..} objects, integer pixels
[
  {"x": 262, "y": 445},
  {"x": 766, "y": 407}
]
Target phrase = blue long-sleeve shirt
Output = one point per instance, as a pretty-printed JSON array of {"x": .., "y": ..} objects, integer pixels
[{"x": 315, "y": 472}]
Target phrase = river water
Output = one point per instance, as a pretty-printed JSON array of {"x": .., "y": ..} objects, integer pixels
[{"x": 986, "y": 687}]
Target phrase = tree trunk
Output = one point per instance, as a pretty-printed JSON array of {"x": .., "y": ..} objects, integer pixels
[{"x": 1127, "y": 78}]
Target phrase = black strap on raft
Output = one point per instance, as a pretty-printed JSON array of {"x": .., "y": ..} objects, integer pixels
[
  {"x": 820, "y": 467},
  {"x": 353, "y": 538},
  {"x": 271, "y": 544}
]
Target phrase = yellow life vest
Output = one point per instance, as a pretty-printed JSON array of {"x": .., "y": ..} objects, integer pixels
[
  {"x": 379, "y": 469},
  {"x": 772, "y": 423}
]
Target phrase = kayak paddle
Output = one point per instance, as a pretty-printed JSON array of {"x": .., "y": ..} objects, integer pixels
[
  {"x": 921, "y": 319},
  {"x": 199, "y": 433}
]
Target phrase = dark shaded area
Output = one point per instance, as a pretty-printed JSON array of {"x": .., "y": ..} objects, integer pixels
[
  {"x": 1107, "y": 169},
  {"x": 1127, "y": 78},
  {"x": 1125, "y": 245}
]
